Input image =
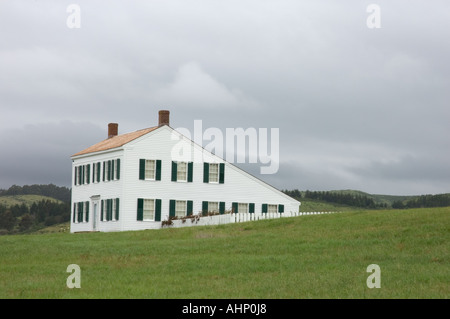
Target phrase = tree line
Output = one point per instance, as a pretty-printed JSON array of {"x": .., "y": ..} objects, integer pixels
[
  {"x": 439, "y": 200},
  {"x": 21, "y": 218},
  {"x": 363, "y": 201},
  {"x": 357, "y": 200}
]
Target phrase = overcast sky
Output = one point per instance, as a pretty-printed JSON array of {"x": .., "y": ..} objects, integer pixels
[{"x": 356, "y": 107}]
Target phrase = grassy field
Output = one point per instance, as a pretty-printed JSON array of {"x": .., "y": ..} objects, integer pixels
[{"x": 319, "y": 256}]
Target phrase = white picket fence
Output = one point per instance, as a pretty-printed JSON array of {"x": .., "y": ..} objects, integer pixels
[{"x": 197, "y": 220}]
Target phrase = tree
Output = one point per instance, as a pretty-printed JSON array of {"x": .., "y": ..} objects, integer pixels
[
  {"x": 7, "y": 220},
  {"x": 25, "y": 222}
]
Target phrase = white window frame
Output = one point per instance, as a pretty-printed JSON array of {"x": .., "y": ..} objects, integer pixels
[
  {"x": 241, "y": 207},
  {"x": 272, "y": 208},
  {"x": 150, "y": 203},
  {"x": 180, "y": 208},
  {"x": 210, "y": 204},
  {"x": 213, "y": 173},
  {"x": 147, "y": 169},
  {"x": 179, "y": 165},
  {"x": 94, "y": 173}
]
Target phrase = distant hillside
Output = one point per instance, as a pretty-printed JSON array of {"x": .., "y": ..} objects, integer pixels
[
  {"x": 50, "y": 190},
  {"x": 28, "y": 200},
  {"x": 347, "y": 199}
]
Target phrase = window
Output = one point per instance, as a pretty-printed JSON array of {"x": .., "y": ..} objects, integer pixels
[
  {"x": 182, "y": 171},
  {"x": 180, "y": 208},
  {"x": 214, "y": 173},
  {"x": 213, "y": 207},
  {"x": 150, "y": 169},
  {"x": 109, "y": 209},
  {"x": 272, "y": 208},
  {"x": 106, "y": 172},
  {"x": 87, "y": 173},
  {"x": 82, "y": 174},
  {"x": 243, "y": 208},
  {"x": 149, "y": 209},
  {"x": 80, "y": 212},
  {"x": 96, "y": 172}
]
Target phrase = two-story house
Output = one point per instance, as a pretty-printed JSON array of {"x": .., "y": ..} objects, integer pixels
[{"x": 134, "y": 181}]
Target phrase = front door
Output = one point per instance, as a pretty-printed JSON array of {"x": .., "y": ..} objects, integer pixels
[{"x": 95, "y": 216}]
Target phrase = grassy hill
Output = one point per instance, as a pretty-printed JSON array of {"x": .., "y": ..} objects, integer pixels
[
  {"x": 28, "y": 200},
  {"x": 318, "y": 256}
]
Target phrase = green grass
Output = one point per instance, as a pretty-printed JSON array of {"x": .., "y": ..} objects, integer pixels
[
  {"x": 10, "y": 200},
  {"x": 313, "y": 205},
  {"x": 319, "y": 256}
]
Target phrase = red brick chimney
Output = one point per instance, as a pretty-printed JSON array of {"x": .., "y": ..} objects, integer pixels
[
  {"x": 113, "y": 129},
  {"x": 163, "y": 117}
]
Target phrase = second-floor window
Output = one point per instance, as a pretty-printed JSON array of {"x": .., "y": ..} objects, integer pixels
[
  {"x": 182, "y": 171},
  {"x": 150, "y": 169}
]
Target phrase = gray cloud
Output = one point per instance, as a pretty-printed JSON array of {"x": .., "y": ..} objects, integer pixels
[{"x": 356, "y": 107}]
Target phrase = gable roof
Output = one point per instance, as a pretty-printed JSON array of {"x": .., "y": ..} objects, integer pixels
[{"x": 116, "y": 141}]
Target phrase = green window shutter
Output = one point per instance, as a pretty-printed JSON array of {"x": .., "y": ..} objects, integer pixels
[
  {"x": 174, "y": 171},
  {"x": 158, "y": 210},
  {"x": 109, "y": 170},
  {"x": 251, "y": 208},
  {"x": 117, "y": 208},
  {"x": 190, "y": 171},
  {"x": 221, "y": 173},
  {"x": 172, "y": 208},
  {"x": 110, "y": 209},
  {"x": 234, "y": 207},
  {"x": 75, "y": 176},
  {"x": 118, "y": 168},
  {"x": 104, "y": 170},
  {"x": 98, "y": 172},
  {"x": 112, "y": 170},
  {"x": 222, "y": 207},
  {"x": 158, "y": 170},
  {"x": 80, "y": 175},
  {"x": 205, "y": 172},
  {"x": 264, "y": 208},
  {"x": 142, "y": 169},
  {"x": 140, "y": 209},
  {"x": 204, "y": 208},
  {"x": 107, "y": 210},
  {"x": 87, "y": 211},
  {"x": 74, "y": 212},
  {"x": 101, "y": 210},
  {"x": 88, "y": 173},
  {"x": 190, "y": 205},
  {"x": 80, "y": 212},
  {"x": 281, "y": 208}
]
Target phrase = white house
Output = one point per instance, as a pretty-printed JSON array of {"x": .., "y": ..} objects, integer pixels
[{"x": 133, "y": 181}]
